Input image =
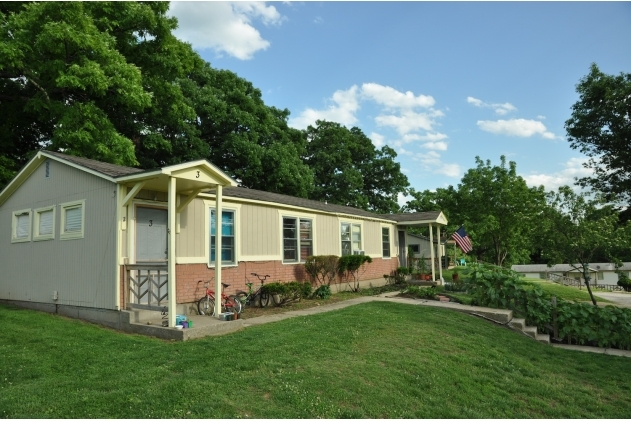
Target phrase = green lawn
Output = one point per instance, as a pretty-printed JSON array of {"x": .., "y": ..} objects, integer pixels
[
  {"x": 375, "y": 360},
  {"x": 566, "y": 292}
]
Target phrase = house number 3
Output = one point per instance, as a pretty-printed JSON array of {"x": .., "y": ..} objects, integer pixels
[
  {"x": 197, "y": 176},
  {"x": 150, "y": 222}
]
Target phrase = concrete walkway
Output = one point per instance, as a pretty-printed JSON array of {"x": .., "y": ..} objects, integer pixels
[{"x": 621, "y": 299}]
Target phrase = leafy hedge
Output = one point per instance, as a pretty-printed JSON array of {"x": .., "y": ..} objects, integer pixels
[
  {"x": 287, "y": 292},
  {"x": 580, "y": 323}
]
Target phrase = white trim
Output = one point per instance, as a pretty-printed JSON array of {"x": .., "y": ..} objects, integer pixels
[
  {"x": 64, "y": 207},
  {"x": 36, "y": 219},
  {"x": 236, "y": 208},
  {"x": 78, "y": 166},
  {"x": 297, "y": 216},
  {"x": 14, "y": 225},
  {"x": 381, "y": 227},
  {"x": 261, "y": 258},
  {"x": 352, "y": 222}
]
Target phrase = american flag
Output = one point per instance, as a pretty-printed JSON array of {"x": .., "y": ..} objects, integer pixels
[{"x": 461, "y": 237}]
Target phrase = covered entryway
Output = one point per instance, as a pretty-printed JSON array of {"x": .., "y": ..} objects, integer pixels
[{"x": 156, "y": 228}]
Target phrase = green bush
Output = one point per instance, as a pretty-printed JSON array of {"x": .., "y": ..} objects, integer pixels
[
  {"x": 350, "y": 267},
  {"x": 322, "y": 292},
  {"x": 321, "y": 269},
  {"x": 428, "y": 293},
  {"x": 287, "y": 292},
  {"x": 624, "y": 281},
  {"x": 579, "y": 323}
]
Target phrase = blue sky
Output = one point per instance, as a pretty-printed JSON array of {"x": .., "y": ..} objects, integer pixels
[{"x": 438, "y": 82}]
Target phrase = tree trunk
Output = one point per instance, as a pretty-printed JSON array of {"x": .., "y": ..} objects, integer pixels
[{"x": 589, "y": 289}]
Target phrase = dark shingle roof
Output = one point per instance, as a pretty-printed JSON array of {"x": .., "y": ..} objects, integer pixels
[
  {"x": 252, "y": 194},
  {"x": 416, "y": 216},
  {"x": 98, "y": 166}
]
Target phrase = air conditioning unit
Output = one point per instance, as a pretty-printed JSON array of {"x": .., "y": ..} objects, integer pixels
[{"x": 361, "y": 252}]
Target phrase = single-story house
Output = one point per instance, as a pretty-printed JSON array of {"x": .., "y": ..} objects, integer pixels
[
  {"x": 101, "y": 238},
  {"x": 601, "y": 273},
  {"x": 420, "y": 246}
]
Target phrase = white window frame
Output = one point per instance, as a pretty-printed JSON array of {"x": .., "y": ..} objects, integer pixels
[
  {"x": 210, "y": 263},
  {"x": 361, "y": 235},
  {"x": 73, "y": 235},
  {"x": 14, "y": 226},
  {"x": 298, "y": 220},
  {"x": 36, "y": 219},
  {"x": 389, "y": 256}
]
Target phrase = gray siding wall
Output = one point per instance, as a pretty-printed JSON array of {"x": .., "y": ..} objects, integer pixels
[{"x": 83, "y": 271}]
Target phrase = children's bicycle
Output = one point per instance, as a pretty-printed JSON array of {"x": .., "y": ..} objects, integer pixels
[
  {"x": 206, "y": 304},
  {"x": 251, "y": 297}
]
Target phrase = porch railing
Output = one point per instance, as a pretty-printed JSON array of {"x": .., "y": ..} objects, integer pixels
[
  {"x": 564, "y": 280},
  {"x": 147, "y": 285}
]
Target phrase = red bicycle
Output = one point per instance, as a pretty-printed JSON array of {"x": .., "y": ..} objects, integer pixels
[{"x": 206, "y": 304}]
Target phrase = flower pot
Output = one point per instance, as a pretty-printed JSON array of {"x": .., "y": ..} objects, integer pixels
[{"x": 454, "y": 276}]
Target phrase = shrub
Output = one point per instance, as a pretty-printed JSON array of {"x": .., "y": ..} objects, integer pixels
[
  {"x": 428, "y": 293},
  {"x": 624, "y": 281},
  {"x": 350, "y": 267},
  {"x": 284, "y": 293},
  {"x": 322, "y": 292},
  {"x": 322, "y": 269}
]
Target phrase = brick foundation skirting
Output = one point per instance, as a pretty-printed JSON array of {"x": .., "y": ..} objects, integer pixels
[{"x": 189, "y": 289}]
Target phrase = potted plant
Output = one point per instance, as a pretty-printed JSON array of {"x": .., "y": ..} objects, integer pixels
[{"x": 423, "y": 268}]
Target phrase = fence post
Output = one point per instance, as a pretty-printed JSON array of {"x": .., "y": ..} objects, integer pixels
[{"x": 554, "y": 319}]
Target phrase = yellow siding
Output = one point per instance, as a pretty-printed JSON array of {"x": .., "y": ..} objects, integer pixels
[
  {"x": 327, "y": 235},
  {"x": 191, "y": 240},
  {"x": 372, "y": 238},
  {"x": 260, "y": 231}
]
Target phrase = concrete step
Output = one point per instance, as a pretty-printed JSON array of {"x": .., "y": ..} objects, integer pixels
[
  {"x": 518, "y": 324},
  {"x": 530, "y": 331},
  {"x": 543, "y": 338}
]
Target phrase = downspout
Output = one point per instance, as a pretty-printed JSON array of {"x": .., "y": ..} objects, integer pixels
[
  {"x": 171, "y": 251},
  {"x": 218, "y": 219},
  {"x": 432, "y": 254}
]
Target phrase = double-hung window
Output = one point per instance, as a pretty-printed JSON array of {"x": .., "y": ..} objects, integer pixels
[
  {"x": 21, "y": 226},
  {"x": 72, "y": 220},
  {"x": 297, "y": 239},
  {"x": 351, "y": 238},
  {"x": 44, "y": 224},
  {"x": 227, "y": 237},
  {"x": 385, "y": 241}
]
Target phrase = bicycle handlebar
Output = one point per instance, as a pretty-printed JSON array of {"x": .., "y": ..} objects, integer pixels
[{"x": 259, "y": 276}]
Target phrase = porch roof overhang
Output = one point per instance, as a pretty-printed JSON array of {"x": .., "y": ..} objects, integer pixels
[
  {"x": 190, "y": 177},
  {"x": 419, "y": 219}
]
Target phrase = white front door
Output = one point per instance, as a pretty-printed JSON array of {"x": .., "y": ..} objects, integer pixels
[{"x": 151, "y": 235}]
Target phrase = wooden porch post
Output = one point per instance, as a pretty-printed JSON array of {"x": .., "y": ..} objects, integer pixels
[
  {"x": 440, "y": 254},
  {"x": 171, "y": 251},
  {"x": 431, "y": 248},
  {"x": 218, "y": 219}
]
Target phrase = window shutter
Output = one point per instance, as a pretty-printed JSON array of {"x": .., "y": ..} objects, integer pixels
[
  {"x": 73, "y": 219},
  {"x": 22, "y": 229},
  {"x": 46, "y": 223}
]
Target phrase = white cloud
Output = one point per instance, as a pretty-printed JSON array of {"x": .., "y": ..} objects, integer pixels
[
  {"x": 431, "y": 161},
  {"x": 402, "y": 199},
  {"x": 408, "y": 121},
  {"x": 318, "y": 20},
  {"x": 573, "y": 168},
  {"x": 541, "y": 117},
  {"x": 516, "y": 127},
  {"x": 342, "y": 110},
  {"x": 437, "y": 146},
  {"x": 225, "y": 27},
  {"x": 500, "y": 109},
  {"x": 392, "y": 99},
  {"x": 377, "y": 139}
]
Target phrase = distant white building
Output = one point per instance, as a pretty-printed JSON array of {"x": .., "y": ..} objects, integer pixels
[{"x": 602, "y": 273}]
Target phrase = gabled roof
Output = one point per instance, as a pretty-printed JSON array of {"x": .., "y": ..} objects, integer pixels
[
  {"x": 263, "y": 196},
  {"x": 104, "y": 168}
]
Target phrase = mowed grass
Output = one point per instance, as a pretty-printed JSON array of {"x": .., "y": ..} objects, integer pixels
[
  {"x": 374, "y": 360},
  {"x": 565, "y": 292}
]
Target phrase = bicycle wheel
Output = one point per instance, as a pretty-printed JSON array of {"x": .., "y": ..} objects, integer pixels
[
  {"x": 263, "y": 299},
  {"x": 277, "y": 299},
  {"x": 236, "y": 303},
  {"x": 206, "y": 306},
  {"x": 242, "y": 296}
]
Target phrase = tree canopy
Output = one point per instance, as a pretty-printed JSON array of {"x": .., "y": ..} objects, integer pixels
[
  {"x": 600, "y": 127},
  {"x": 498, "y": 210},
  {"x": 349, "y": 170}
]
